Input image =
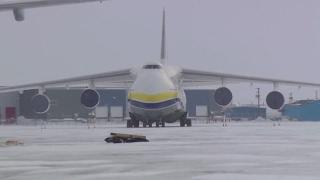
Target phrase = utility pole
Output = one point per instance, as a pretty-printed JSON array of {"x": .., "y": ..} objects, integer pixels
[{"x": 258, "y": 97}]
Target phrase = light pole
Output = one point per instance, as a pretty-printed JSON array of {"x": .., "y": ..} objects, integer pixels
[{"x": 258, "y": 97}]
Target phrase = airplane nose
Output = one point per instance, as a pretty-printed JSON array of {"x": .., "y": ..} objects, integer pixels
[{"x": 152, "y": 85}]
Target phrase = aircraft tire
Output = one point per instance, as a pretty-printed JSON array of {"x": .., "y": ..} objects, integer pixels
[
  {"x": 129, "y": 123},
  {"x": 188, "y": 122},
  {"x": 136, "y": 123},
  {"x": 182, "y": 123}
]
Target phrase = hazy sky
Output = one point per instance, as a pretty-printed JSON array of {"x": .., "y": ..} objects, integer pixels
[{"x": 267, "y": 38}]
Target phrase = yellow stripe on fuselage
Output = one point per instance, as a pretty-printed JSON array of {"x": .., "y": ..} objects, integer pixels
[{"x": 152, "y": 98}]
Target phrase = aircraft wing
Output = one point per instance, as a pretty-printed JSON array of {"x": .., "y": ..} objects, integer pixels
[
  {"x": 115, "y": 79},
  {"x": 22, "y": 4},
  {"x": 17, "y": 6},
  {"x": 191, "y": 78}
]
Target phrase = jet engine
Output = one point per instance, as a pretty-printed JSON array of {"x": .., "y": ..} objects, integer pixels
[
  {"x": 223, "y": 96},
  {"x": 18, "y": 14},
  {"x": 275, "y": 100},
  {"x": 40, "y": 104},
  {"x": 90, "y": 98}
]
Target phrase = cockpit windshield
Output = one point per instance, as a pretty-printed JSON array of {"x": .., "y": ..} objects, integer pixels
[{"x": 152, "y": 66}]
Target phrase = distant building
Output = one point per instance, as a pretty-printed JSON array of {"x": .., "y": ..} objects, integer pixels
[
  {"x": 303, "y": 110},
  {"x": 246, "y": 112},
  {"x": 200, "y": 102},
  {"x": 9, "y": 107}
]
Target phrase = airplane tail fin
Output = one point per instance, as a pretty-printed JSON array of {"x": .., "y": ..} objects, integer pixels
[{"x": 163, "y": 55}]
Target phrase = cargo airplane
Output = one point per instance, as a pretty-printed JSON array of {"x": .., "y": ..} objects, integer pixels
[{"x": 155, "y": 91}]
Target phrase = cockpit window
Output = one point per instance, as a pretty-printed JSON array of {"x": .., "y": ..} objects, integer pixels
[{"x": 152, "y": 66}]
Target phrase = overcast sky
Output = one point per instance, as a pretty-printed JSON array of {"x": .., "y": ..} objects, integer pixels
[{"x": 267, "y": 38}]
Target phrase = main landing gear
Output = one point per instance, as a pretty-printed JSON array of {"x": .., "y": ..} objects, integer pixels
[
  {"x": 136, "y": 124},
  {"x": 184, "y": 121},
  {"x": 132, "y": 123}
]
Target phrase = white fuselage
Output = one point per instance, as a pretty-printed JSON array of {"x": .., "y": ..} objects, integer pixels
[{"x": 155, "y": 96}]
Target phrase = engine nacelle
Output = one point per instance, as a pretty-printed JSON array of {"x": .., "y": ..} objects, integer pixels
[
  {"x": 18, "y": 14},
  {"x": 223, "y": 96},
  {"x": 40, "y": 104},
  {"x": 275, "y": 100},
  {"x": 90, "y": 98}
]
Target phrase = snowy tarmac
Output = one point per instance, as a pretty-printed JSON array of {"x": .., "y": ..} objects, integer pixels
[{"x": 243, "y": 150}]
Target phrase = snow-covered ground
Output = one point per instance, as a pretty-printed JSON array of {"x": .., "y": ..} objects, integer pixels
[{"x": 243, "y": 150}]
